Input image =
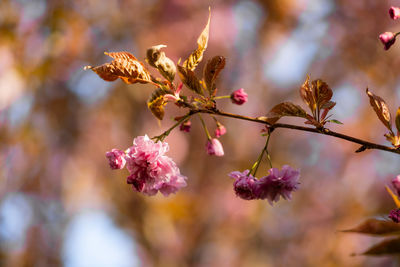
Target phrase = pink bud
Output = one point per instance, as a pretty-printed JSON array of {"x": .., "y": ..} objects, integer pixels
[
  {"x": 185, "y": 126},
  {"x": 388, "y": 39},
  {"x": 394, "y": 12},
  {"x": 239, "y": 97},
  {"x": 214, "y": 147},
  {"x": 220, "y": 130}
]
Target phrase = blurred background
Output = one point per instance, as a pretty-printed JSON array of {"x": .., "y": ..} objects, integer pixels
[{"x": 60, "y": 204}]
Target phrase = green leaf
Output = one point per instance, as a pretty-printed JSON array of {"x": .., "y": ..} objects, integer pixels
[
  {"x": 335, "y": 121},
  {"x": 387, "y": 246},
  {"x": 381, "y": 109},
  {"x": 376, "y": 227},
  {"x": 190, "y": 80},
  {"x": 285, "y": 109},
  {"x": 197, "y": 55}
]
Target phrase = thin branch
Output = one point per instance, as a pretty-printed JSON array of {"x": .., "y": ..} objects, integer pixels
[{"x": 324, "y": 131}]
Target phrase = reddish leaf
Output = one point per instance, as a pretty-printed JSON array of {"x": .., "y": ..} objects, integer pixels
[
  {"x": 284, "y": 109},
  {"x": 307, "y": 95},
  {"x": 381, "y": 109},
  {"x": 211, "y": 72},
  {"x": 157, "y": 102},
  {"x": 124, "y": 66},
  {"x": 376, "y": 227},
  {"x": 322, "y": 93}
]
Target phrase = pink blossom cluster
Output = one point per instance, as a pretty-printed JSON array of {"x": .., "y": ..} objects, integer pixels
[
  {"x": 150, "y": 170},
  {"x": 279, "y": 183},
  {"x": 389, "y": 38}
]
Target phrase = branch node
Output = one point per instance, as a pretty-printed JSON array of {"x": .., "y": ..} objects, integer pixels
[{"x": 361, "y": 149}]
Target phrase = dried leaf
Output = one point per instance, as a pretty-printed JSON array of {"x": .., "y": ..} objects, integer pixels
[
  {"x": 157, "y": 59},
  {"x": 285, "y": 109},
  {"x": 376, "y": 227},
  {"x": 397, "y": 121},
  {"x": 387, "y": 246},
  {"x": 211, "y": 72},
  {"x": 197, "y": 55},
  {"x": 190, "y": 80},
  {"x": 124, "y": 66},
  {"x": 381, "y": 109},
  {"x": 157, "y": 102}
]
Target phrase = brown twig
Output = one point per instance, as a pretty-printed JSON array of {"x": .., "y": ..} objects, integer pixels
[{"x": 364, "y": 144}]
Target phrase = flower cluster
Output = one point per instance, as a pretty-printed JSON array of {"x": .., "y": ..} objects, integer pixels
[
  {"x": 389, "y": 38},
  {"x": 150, "y": 170},
  {"x": 271, "y": 187}
]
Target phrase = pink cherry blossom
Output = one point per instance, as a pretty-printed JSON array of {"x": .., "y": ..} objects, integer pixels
[
  {"x": 116, "y": 159},
  {"x": 278, "y": 183},
  {"x": 387, "y": 39},
  {"x": 394, "y": 12},
  {"x": 214, "y": 147},
  {"x": 395, "y": 215},
  {"x": 239, "y": 97},
  {"x": 150, "y": 170},
  {"x": 244, "y": 185}
]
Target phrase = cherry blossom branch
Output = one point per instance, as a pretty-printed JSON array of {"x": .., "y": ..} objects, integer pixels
[{"x": 324, "y": 131}]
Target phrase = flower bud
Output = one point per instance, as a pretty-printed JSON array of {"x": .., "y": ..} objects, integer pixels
[
  {"x": 239, "y": 97},
  {"x": 185, "y": 126},
  {"x": 394, "y": 12},
  {"x": 396, "y": 184},
  {"x": 220, "y": 130},
  {"x": 387, "y": 39},
  {"x": 214, "y": 147}
]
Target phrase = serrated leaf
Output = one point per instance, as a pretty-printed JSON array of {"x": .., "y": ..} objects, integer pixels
[
  {"x": 387, "y": 246},
  {"x": 394, "y": 197},
  {"x": 189, "y": 78},
  {"x": 322, "y": 93},
  {"x": 335, "y": 121},
  {"x": 124, "y": 66},
  {"x": 381, "y": 109},
  {"x": 197, "y": 55},
  {"x": 285, "y": 109},
  {"x": 307, "y": 95},
  {"x": 211, "y": 72},
  {"x": 397, "y": 121},
  {"x": 376, "y": 227},
  {"x": 157, "y": 102}
]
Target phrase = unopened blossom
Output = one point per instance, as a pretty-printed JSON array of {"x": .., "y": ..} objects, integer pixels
[
  {"x": 239, "y": 97},
  {"x": 214, "y": 147},
  {"x": 244, "y": 185},
  {"x": 185, "y": 126},
  {"x": 394, "y": 12},
  {"x": 396, "y": 184},
  {"x": 395, "y": 215},
  {"x": 387, "y": 39},
  {"x": 278, "y": 183},
  {"x": 116, "y": 159},
  {"x": 220, "y": 130},
  {"x": 150, "y": 170}
]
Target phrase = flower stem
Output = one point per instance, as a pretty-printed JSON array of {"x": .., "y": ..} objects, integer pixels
[
  {"x": 257, "y": 163},
  {"x": 222, "y": 97},
  {"x": 162, "y": 136},
  {"x": 205, "y": 127}
]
